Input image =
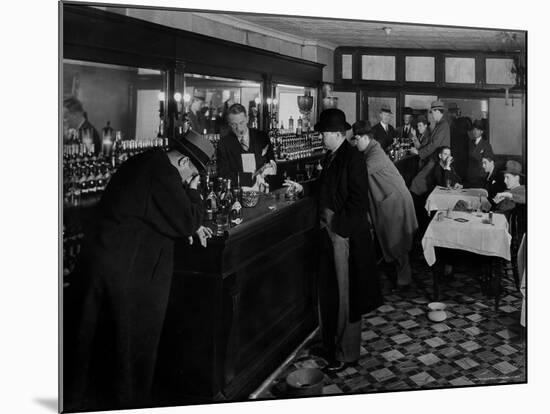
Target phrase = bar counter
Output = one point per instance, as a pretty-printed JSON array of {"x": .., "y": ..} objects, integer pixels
[
  {"x": 408, "y": 167},
  {"x": 241, "y": 305}
]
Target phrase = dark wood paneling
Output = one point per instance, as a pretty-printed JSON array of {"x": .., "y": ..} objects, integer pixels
[
  {"x": 239, "y": 307},
  {"x": 92, "y": 34}
]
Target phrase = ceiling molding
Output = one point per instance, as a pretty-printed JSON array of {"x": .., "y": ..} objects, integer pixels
[{"x": 256, "y": 28}]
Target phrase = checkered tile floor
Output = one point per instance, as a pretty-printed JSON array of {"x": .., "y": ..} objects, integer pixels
[{"x": 402, "y": 350}]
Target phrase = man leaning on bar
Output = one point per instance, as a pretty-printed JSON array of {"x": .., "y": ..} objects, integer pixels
[{"x": 125, "y": 275}]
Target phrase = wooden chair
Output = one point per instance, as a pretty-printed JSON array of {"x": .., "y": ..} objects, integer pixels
[{"x": 517, "y": 226}]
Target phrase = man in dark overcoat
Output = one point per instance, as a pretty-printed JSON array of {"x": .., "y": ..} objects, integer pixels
[
  {"x": 348, "y": 277},
  {"x": 125, "y": 275}
]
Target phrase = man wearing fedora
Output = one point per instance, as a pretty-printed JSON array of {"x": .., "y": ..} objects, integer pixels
[
  {"x": 196, "y": 117},
  {"x": 383, "y": 132},
  {"x": 348, "y": 279},
  {"x": 508, "y": 200},
  {"x": 407, "y": 129},
  {"x": 125, "y": 274},
  {"x": 477, "y": 148}
]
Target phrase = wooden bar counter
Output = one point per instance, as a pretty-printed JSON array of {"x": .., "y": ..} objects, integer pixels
[
  {"x": 408, "y": 167},
  {"x": 241, "y": 305}
]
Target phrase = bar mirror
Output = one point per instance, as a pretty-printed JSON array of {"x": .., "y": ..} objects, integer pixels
[{"x": 207, "y": 99}]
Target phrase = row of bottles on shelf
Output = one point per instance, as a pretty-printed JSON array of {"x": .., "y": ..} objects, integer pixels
[
  {"x": 116, "y": 152},
  {"x": 87, "y": 172},
  {"x": 294, "y": 146}
]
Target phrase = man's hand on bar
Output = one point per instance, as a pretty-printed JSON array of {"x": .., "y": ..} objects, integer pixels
[
  {"x": 203, "y": 234},
  {"x": 297, "y": 186}
]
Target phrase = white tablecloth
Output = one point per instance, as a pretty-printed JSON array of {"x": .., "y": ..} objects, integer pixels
[
  {"x": 473, "y": 235},
  {"x": 442, "y": 198}
]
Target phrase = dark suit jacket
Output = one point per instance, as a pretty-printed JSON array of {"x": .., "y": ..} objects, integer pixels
[
  {"x": 384, "y": 138},
  {"x": 441, "y": 175},
  {"x": 475, "y": 174},
  {"x": 229, "y": 155},
  {"x": 494, "y": 183},
  {"x": 343, "y": 188},
  {"x": 400, "y": 132}
]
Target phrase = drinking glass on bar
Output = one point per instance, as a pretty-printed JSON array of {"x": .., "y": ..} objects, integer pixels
[{"x": 309, "y": 171}]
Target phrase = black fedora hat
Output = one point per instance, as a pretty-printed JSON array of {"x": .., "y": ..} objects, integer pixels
[
  {"x": 332, "y": 120},
  {"x": 196, "y": 147},
  {"x": 513, "y": 167},
  {"x": 478, "y": 124},
  {"x": 361, "y": 128}
]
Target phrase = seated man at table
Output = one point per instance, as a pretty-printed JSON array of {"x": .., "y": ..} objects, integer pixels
[
  {"x": 244, "y": 152},
  {"x": 508, "y": 200},
  {"x": 444, "y": 173},
  {"x": 493, "y": 181}
]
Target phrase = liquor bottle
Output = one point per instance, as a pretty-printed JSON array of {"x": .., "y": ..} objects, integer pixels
[
  {"x": 290, "y": 123},
  {"x": 211, "y": 202},
  {"x": 236, "y": 208},
  {"x": 300, "y": 125},
  {"x": 99, "y": 180},
  {"x": 228, "y": 196},
  {"x": 91, "y": 183},
  {"x": 107, "y": 141},
  {"x": 160, "y": 132},
  {"x": 82, "y": 183}
]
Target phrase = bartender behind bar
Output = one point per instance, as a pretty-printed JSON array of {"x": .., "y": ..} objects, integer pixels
[{"x": 244, "y": 153}]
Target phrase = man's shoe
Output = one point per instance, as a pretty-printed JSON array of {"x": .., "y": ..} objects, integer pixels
[{"x": 335, "y": 366}]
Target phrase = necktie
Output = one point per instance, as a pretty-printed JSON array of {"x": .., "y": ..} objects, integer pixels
[{"x": 244, "y": 144}]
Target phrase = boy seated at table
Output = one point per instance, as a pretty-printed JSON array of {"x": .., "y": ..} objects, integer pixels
[
  {"x": 508, "y": 200},
  {"x": 444, "y": 172}
]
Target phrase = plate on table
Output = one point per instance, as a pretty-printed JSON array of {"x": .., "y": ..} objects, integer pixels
[{"x": 461, "y": 220}]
